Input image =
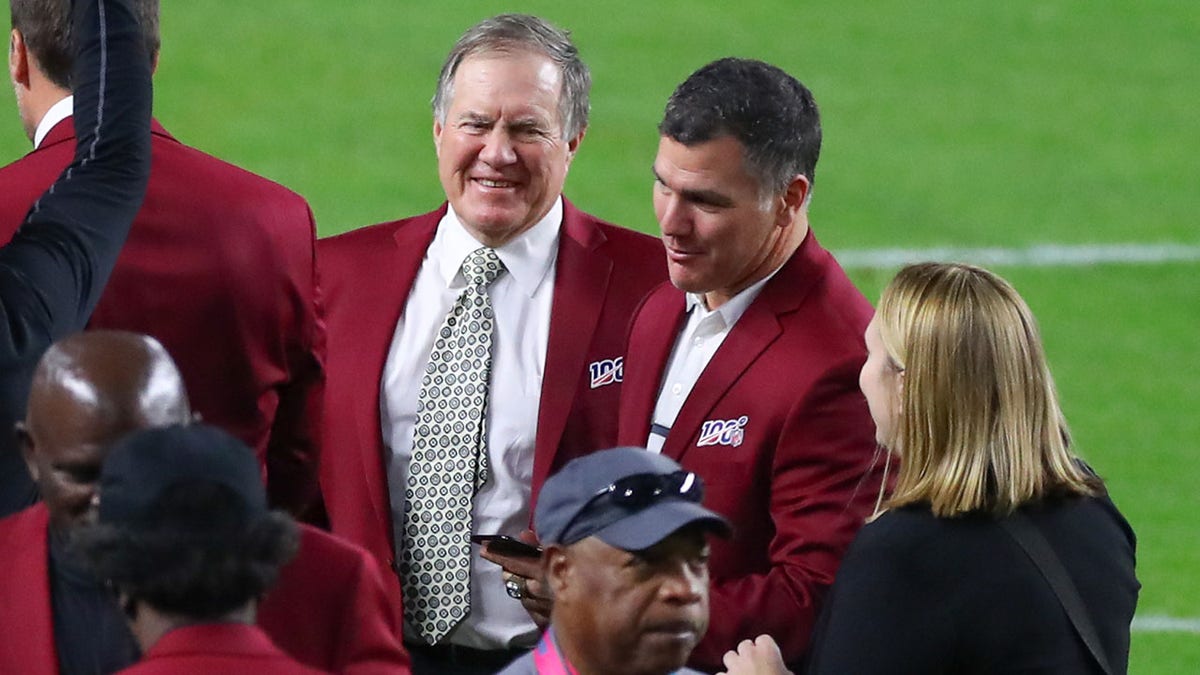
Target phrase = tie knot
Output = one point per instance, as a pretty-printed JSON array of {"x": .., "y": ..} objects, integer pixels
[{"x": 482, "y": 267}]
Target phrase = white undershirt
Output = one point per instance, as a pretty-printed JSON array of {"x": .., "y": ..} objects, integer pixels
[
  {"x": 695, "y": 346},
  {"x": 57, "y": 113},
  {"x": 521, "y": 300}
]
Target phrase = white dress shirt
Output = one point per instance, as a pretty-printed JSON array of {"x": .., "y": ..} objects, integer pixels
[
  {"x": 695, "y": 346},
  {"x": 521, "y": 300},
  {"x": 57, "y": 113}
]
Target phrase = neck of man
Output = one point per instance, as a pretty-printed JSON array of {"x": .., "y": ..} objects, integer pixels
[
  {"x": 150, "y": 624},
  {"x": 573, "y": 650},
  {"x": 36, "y": 100},
  {"x": 788, "y": 240},
  {"x": 583, "y": 652}
]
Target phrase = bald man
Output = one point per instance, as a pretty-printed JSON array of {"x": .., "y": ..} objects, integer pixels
[{"x": 328, "y": 608}]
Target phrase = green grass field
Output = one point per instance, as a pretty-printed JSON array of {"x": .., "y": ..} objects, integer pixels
[{"x": 968, "y": 124}]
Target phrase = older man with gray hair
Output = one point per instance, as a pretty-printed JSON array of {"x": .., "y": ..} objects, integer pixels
[{"x": 476, "y": 348}]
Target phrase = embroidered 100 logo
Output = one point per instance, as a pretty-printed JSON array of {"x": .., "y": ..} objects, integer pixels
[
  {"x": 607, "y": 371},
  {"x": 723, "y": 432}
]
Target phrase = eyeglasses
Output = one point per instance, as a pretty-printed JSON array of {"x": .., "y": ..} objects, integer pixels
[{"x": 642, "y": 489}]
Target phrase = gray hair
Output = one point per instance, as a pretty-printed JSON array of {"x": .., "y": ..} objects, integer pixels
[{"x": 509, "y": 33}]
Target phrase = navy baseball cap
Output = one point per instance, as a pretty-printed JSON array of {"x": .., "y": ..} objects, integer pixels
[
  {"x": 629, "y": 498},
  {"x": 145, "y": 465}
]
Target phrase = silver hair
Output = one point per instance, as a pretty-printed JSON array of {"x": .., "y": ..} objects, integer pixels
[{"x": 508, "y": 33}]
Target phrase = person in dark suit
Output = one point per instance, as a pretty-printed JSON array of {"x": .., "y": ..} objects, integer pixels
[
  {"x": 743, "y": 368},
  {"x": 219, "y": 266},
  {"x": 327, "y": 610},
  {"x": 185, "y": 538},
  {"x": 54, "y": 268},
  {"x": 509, "y": 115},
  {"x": 945, "y": 578}
]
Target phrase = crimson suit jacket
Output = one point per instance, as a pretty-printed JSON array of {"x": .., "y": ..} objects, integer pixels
[
  {"x": 779, "y": 431},
  {"x": 219, "y": 267},
  {"x": 602, "y": 272},
  {"x": 226, "y": 648},
  {"x": 327, "y": 609}
]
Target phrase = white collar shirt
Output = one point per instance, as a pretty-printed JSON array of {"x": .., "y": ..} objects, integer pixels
[
  {"x": 701, "y": 336},
  {"x": 521, "y": 300},
  {"x": 57, "y": 113}
]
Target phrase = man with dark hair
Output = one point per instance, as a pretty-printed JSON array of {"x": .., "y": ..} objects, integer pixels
[
  {"x": 745, "y": 367},
  {"x": 626, "y": 557},
  {"x": 186, "y": 540},
  {"x": 477, "y": 347},
  {"x": 213, "y": 245},
  {"x": 328, "y": 609}
]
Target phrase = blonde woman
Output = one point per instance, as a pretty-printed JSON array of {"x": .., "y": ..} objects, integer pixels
[{"x": 940, "y": 581}]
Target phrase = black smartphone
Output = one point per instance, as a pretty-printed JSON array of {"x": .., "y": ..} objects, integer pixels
[{"x": 503, "y": 544}]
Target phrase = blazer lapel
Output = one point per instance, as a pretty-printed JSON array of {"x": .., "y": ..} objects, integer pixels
[
  {"x": 393, "y": 271},
  {"x": 581, "y": 280},
  {"x": 753, "y": 333},
  {"x": 755, "y": 330},
  {"x": 646, "y": 357}
]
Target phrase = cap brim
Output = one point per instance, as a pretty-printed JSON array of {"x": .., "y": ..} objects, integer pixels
[{"x": 646, "y": 528}]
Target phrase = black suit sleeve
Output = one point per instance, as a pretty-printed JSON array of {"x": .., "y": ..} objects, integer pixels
[{"x": 54, "y": 269}]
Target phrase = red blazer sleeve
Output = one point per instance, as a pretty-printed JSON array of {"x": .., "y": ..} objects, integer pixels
[
  {"x": 329, "y": 610},
  {"x": 293, "y": 452}
]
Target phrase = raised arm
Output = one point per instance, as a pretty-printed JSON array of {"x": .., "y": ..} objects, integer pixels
[{"x": 54, "y": 269}]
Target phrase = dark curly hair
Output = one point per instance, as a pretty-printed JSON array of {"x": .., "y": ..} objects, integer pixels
[{"x": 199, "y": 555}]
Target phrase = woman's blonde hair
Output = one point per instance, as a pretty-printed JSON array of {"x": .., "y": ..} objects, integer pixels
[{"x": 978, "y": 425}]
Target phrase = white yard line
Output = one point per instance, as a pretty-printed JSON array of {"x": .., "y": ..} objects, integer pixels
[
  {"x": 1166, "y": 624},
  {"x": 1044, "y": 255}
]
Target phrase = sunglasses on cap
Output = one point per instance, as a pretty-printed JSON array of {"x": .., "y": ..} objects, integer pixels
[{"x": 640, "y": 490}]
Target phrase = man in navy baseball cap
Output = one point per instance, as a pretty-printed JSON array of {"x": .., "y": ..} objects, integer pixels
[{"x": 626, "y": 557}]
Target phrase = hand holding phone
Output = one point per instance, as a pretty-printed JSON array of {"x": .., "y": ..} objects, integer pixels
[{"x": 502, "y": 544}]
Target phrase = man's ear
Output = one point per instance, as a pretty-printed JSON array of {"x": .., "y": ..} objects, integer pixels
[
  {"x": 573, "y": 144},
  {"x": 18, "y": 59},
  {"x": 795, "y": 200},
  {"x": 28, "y": 450},
  {"x": 556, "y": 568},
  {"x": 437, "y": 136}
]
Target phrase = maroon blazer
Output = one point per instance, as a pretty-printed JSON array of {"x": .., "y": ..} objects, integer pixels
[
  {"x": 327, "y": 610},
  {"x": 226, "y": 648},
  {"x": 219, "y": 267},
  {"x": 602, "y": 272},
  {"x": 778, "y": 430}
]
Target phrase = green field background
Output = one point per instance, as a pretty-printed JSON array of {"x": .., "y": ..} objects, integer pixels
[{"x": 966, "y": 123}]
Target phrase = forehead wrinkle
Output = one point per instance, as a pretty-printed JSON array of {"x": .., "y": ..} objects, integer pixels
[{"x": 479, "y": 71}]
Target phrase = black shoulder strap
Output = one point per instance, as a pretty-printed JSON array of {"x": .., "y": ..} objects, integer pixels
[{"x": 1020, "y": 528}]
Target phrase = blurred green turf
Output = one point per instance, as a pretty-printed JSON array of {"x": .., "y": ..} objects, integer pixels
[{"x": 972, "y": 123}]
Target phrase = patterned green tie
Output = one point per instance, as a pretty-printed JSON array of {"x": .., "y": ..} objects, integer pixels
[{"x": 449, "y": 458}]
